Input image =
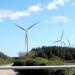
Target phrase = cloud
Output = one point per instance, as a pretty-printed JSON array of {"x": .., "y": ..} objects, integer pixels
[
  {"x": 56, "y": 3},
  {"x": 4, "y": 13},
  {"x": 18, "y": 14},
  {"x": 14, "y": 15},
  {"x": 63, "y": 19},
  {"x": 35, "y": 8}
]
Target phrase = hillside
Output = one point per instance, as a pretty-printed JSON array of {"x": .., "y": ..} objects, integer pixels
[{"x": 4, "y": 59}]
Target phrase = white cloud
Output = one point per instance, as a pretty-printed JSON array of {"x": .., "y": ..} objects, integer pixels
[
  {"x": 63, "y": 19},
  {"x": 56, "y": 3},
  {"x": 14, "y": 15},
  {"x": 4, "y": 13},
  {"x": 18, "y": 14},
  {"x": 35, "y": 8}
]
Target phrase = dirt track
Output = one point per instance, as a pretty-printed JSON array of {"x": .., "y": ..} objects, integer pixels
[{"x": 8, "y": 71}]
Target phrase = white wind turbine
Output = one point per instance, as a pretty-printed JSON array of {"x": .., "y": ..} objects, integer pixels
[
  {"x": 60, "y": 40},
  {"x": 69, "y": 42},
  {"x": 70, "y": 45},
  {"x": 26, "y": 33}
]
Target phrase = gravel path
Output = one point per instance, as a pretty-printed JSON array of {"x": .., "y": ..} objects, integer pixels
[{"x": 8, "y": 71}]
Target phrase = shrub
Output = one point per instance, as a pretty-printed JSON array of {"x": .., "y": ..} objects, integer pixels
[
  {"x": 41, "y": 61},
  {"x": 55, "y": 61}
]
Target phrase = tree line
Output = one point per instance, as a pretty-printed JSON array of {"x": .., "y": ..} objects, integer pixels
[{"x": 65, "y": 53}]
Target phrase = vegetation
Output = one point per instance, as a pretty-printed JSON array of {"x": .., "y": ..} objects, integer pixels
[
  {"x": 4, "y": 59},
  {"x": 63, "y": 53},
  {"x": 49, "y": 52},
  {"x": 51, "y": 55}
]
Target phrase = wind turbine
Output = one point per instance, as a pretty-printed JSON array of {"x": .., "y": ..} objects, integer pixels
[
  {"x": 68, "y": 42},
  {"x": 26, "y": 33},
  {"x": 60, "y": 40},
  {"x": 70, "y": 45}
]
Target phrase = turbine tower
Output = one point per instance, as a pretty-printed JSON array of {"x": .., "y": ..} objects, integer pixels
[{"x": 26, "y": 33}]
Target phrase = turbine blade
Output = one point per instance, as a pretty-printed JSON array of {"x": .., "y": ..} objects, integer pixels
[
  {"x": 64, "y": 43},
  {"x": 20, "y": 27},
  {"x": 56, "y": 41},
  {"x": 69, "y": 42},
  {"x": 33, "y": 25}
]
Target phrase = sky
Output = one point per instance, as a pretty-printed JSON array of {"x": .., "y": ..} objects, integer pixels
[{"x": 55, "y": 16}]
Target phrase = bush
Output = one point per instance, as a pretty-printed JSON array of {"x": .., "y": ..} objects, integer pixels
[
  {"x": 41, "y": 61},
  {"x": 55, "y": 61},
  {"x": 31, "y": 62},
  {"x": 36, "y": 62},
  {"x": 5, "y": 61}
]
